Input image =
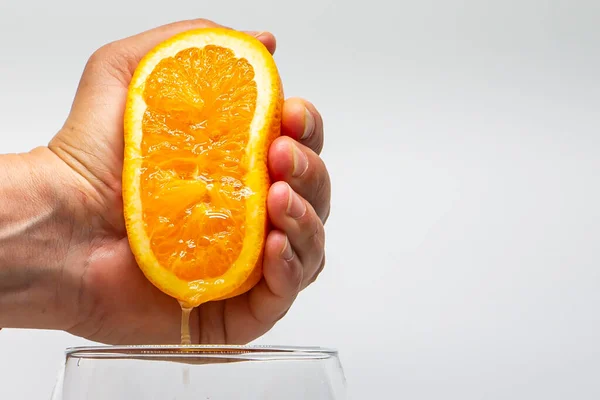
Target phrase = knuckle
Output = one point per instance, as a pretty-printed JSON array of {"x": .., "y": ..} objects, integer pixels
[
  {"x": 196, "y": 23},
  {"x": 318, "y": 272},
  {"x": 297, "y": 278},
  {"x": 206, "y": 22},
  {"x": 318, "y": 141},
  {"x": 315, "y": 232},
  {"x": 318, "y": 136},
  {"x": 326, "y": 214},
  {"x": 321, "y": 186},
  {"x": 113, "y": 60},
  {"x": 322, "y": 182},
  {"x": 102, "y": 54},
  {"x": 280, "y": 316}
]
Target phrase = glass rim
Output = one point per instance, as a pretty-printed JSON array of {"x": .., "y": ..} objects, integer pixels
[{"x": 199, "y": 352}]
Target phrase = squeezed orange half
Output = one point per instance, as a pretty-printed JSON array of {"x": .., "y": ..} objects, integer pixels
[{"x": 202, "y": 110}]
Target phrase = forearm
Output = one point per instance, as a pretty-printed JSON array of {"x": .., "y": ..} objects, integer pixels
[{"x": 36, "y": 234}]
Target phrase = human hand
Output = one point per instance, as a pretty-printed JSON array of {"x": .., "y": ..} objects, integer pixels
[{"x": 106, "y": 297}]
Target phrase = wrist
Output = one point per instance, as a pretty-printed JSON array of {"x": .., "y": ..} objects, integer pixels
[{"x": 37, "y": 238}]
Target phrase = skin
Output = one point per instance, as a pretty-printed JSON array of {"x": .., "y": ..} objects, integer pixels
[{"x": 65, "y": 262}]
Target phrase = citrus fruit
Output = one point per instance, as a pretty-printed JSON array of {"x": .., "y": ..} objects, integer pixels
[{"x": 202, "y": 109}]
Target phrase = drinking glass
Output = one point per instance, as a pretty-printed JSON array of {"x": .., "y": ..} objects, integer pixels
[{"x": 200, "y": 373}]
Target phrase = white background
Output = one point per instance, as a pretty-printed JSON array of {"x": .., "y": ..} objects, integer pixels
[{"x": 462, "y": 138}]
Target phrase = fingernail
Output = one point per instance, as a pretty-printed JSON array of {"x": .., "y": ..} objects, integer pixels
[
  {"x": 309, "y": 124},
  {"x": 287, "y": 253},
  {"x": 258, "y": 34},
  {"x": 296, "y": 207},
  {"x": 300, "y": 161}
]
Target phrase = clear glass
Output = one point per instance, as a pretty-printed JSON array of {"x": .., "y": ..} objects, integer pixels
[{"x": 200, "y": 373}]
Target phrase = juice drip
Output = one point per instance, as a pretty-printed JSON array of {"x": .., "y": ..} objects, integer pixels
[{"x": 185, "y": 325}]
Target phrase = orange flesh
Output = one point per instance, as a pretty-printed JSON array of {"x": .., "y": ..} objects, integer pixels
[{"x": 200, "y": 104}]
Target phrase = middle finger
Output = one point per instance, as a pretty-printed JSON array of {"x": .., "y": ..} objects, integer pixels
[
  {"x": 303, "y": 170},
  {"x": 292, "y": 214}
]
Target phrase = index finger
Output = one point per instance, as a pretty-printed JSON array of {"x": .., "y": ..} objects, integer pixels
[
  {"x": 147, "y": 40},
  {"x": 137, "y": 46}
]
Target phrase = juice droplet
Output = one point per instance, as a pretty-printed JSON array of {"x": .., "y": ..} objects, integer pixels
[{"x": 186, "y": 339}]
